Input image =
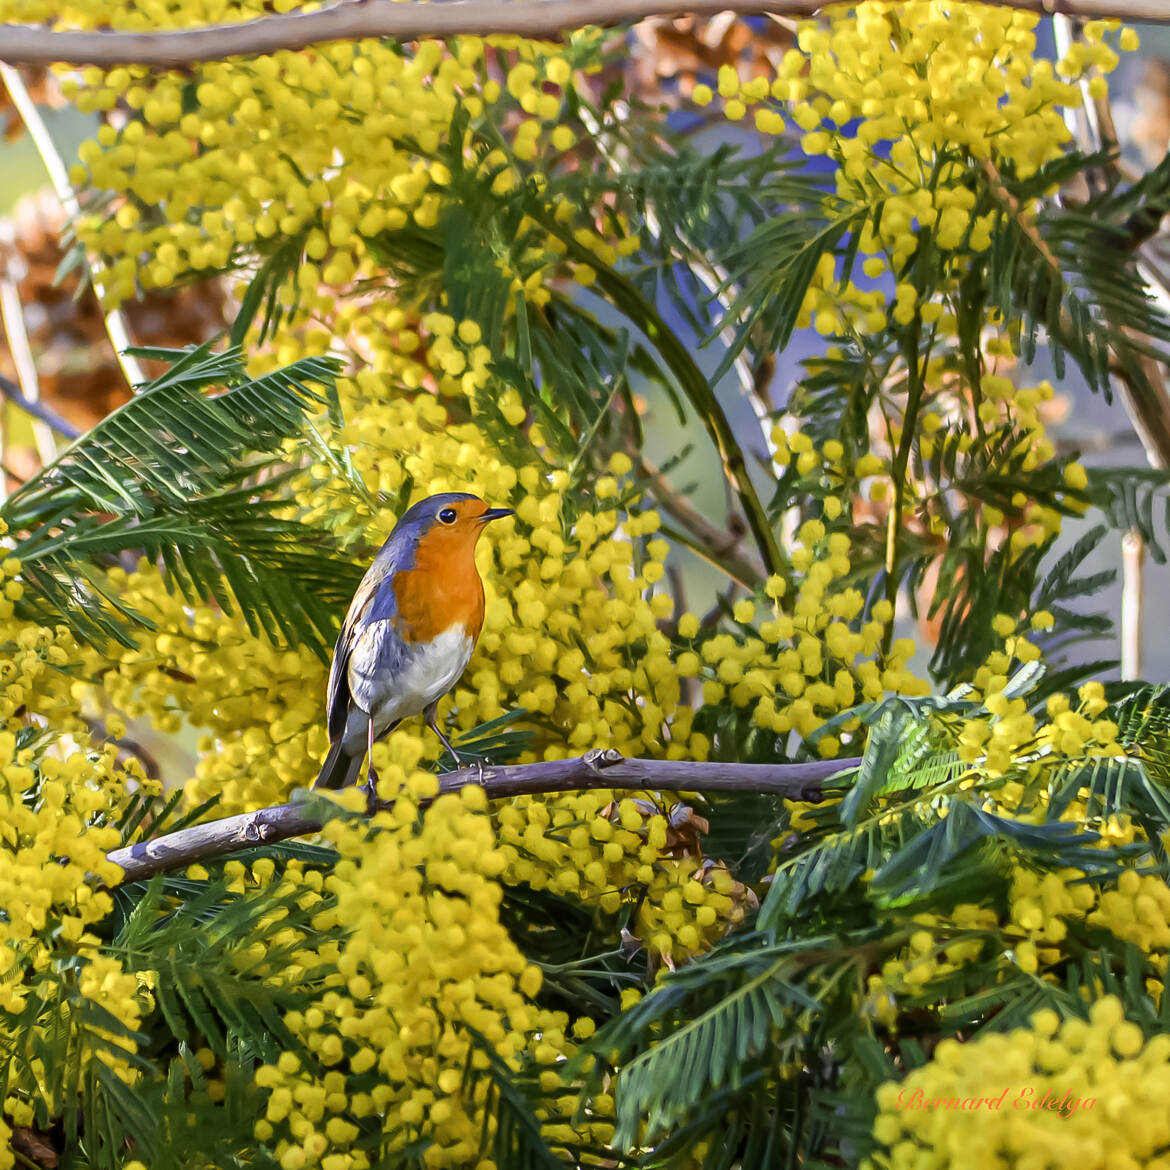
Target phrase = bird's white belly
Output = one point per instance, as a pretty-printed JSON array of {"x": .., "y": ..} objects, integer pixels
[{"x": 426, "y": 672}]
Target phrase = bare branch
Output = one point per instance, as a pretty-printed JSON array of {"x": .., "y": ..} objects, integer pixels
[
  {"x": 16, "y": 334},
  {"x": 720, "y": 547},
  {"x": 596, "y": 769},
  {"x": 30, "y": 115},
  {"x": 410, "y": 19},
  {"x": 38, "y": 410}
]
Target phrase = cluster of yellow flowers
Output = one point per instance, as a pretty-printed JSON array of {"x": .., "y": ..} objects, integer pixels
[
  {"x": 594, "y": 847},
  {"x": 1138, "y": 911},
  {"x": 803, "y": 666},
  {"x": 60, "y": 791},
  {"x": 248, "y": 164},
  {"x": 942, "y": 945},
  {"x": 1068, "y": 733},
  {"x": 1028, "y": 938},
  {"x": 901, "y": 96},
  {"x": 426, "y": 962},
  {"x": 1039, "y": 909},
  {"x": 1077, "y": 1093}
]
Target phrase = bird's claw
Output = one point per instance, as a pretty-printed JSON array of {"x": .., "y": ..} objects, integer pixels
[{"x": 372, "y": 793}]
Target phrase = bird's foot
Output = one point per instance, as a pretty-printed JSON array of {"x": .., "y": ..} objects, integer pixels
[
  {"x": 371, "y": 787},
  {"x": 456, "y": 760}
]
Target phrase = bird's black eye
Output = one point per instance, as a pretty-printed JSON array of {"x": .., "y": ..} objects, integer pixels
[{"x": 447, "y": 515}]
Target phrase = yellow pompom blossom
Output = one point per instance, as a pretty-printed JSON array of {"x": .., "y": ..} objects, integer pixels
[
  {"x": 426, "y": 959},
  {"x": 60, "y": 796},
  {"x": 1138, "y": 911},
  {"x": 248, "y": 158},
  {"x": 1079, "y": 1093},
  {"x": 892, "y": 91}
]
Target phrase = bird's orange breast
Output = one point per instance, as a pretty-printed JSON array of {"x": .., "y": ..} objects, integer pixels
[{"x": 442, "y": 588}]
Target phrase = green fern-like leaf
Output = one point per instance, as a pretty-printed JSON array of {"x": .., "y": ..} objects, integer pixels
[{"x": 175, "y": 475}]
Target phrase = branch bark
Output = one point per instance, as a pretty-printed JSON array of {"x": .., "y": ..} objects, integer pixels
[
  {"x": 411, "y": 19},
  {"x": 596, "y": 769}
]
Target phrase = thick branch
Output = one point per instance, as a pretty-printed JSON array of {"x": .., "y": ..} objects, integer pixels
[
  {"x": 598, "y": 769},
  {"x": 409, "y": 20}
]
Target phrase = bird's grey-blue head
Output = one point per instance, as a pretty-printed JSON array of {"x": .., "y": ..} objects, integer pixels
[{"x": 443, "y": 510}]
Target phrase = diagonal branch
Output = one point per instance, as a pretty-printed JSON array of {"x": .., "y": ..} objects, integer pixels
[
  {"x": 16, "y": 334},
  {"x": 411, "y": 19},
  {"x": 698, "y": 390},
  {"x": 115, "y": 322},
  {"x": 38, "y": 410},
  {"x": 718, "y": 546},
  {"x": 596, "y": 769}
]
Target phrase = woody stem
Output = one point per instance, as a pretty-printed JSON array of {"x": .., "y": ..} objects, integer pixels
[{"x": 596, "y": 769}]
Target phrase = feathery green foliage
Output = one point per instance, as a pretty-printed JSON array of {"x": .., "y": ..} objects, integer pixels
[{"x": 190, "y": 478}]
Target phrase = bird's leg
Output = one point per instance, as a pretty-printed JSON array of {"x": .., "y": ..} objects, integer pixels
[
  {"x": 371, "y": 775},
  {"x": 429, "y": 715}
]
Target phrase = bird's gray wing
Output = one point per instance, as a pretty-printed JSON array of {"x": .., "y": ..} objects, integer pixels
[{"x": 370, "y": 603}]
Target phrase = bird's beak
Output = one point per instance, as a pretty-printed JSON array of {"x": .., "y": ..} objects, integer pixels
[{"x": 496, "y": 514}]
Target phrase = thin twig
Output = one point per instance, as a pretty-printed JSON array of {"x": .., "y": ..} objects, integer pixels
[
  {"x": 709, "y": 274},
  {"x": 38, "y": 410},
  {"x": 597, "y": 769},
  {"x": 15, "y": 269},
  {"x": 409, "y": 20},
  {"x": 691, "y": 380},
  {"x": 59, "y": 176},
  {"x": 1012, "y": 205},
  {"x": 916, "y": 387}
]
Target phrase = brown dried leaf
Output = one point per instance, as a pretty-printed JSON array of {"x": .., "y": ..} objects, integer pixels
[
  {"x": 683, "y": 832},
  {"x": 34, "y": 1145}
]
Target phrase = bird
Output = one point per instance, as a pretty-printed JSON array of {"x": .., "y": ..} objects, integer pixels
[{"x": 409, "y": 632}]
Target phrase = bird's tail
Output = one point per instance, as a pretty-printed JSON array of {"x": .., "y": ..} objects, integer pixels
[{"x": 339, "y": 769}]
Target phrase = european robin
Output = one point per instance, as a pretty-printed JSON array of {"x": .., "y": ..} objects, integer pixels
[{"x": 409, "y": 632}]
